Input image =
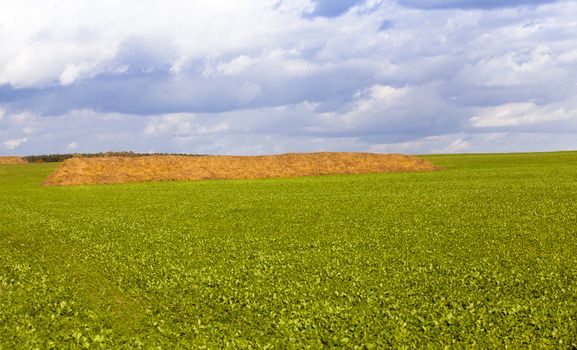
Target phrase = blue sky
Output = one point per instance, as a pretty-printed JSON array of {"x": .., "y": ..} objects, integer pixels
[{"x": 274, "y": 76}]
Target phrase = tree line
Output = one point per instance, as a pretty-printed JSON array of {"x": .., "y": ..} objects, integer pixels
[{"x": 53, "y": 158}]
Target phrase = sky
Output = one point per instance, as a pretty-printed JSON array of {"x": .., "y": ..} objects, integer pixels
[{"x": 249, "y": 77}]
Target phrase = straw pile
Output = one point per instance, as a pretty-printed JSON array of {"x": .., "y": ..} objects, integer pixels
[
  {"x": 12, "y": 160},
  {"x": 107, "y": 170}
]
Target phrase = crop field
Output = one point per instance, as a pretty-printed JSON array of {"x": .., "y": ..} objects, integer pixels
[{"x": 482, "y": 254}]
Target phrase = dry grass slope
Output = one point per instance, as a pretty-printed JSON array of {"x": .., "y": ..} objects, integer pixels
[
  {"x": 107, "y": 170},
  {"x": 12, "y": 160}
]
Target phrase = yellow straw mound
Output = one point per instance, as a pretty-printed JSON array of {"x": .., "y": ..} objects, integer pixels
[
  {"x": 12, "y": 160},
  {"x": 108, "y": 170}
]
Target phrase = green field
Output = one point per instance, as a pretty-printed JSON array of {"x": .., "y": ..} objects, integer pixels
[{"x": 480, "y": 255}]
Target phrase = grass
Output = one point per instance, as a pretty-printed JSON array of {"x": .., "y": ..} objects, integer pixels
[{"x": 480, "y": 255}]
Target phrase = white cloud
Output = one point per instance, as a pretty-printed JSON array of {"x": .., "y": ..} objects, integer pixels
[
  {"x": 481, "y": 143},
  {"x": 451, "y": 143},
  {"x": 28, "y": 130},
  {"x": 515, "y": 69},
  {"x": 182, "y": 125},
  {"x": 74, "y": 71},
  {"x": 521, "y": 114},
  {"x": 234, "y": 67},
  {"x": 14, "y": 143},
  {"x": 457, "y": 146},
  {"x": 380, "y": 97},
  {"x": 62, "y": 41}
]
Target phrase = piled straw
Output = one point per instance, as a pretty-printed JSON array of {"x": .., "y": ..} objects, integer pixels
[
  {"x": 107, "y": 170},
  {"x": 12, "y": 160}
]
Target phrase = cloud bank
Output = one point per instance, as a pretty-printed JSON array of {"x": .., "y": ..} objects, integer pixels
[
  {"x": 471, "y": 4},
  {"x": 271, "y": 76}
]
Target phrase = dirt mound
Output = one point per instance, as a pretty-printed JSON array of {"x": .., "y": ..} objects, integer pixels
[
  {"x": 12, "y": 160},
  {"x": 106, "y": 170}
]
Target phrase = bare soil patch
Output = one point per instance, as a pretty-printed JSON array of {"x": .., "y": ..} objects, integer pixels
[
  {"x": 12, "y": 160},
  {"x": 108, "y": 170}
]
